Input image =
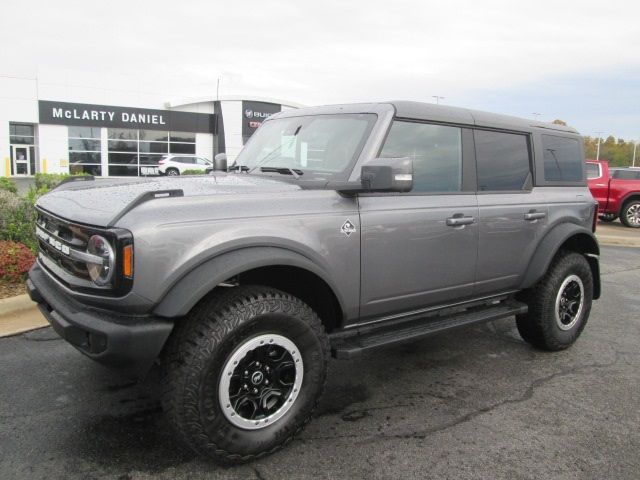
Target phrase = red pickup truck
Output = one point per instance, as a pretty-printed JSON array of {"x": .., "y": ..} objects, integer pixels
[{"x": 617, "y": 192}]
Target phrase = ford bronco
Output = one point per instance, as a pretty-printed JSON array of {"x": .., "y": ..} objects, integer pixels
[{"x": 337, "y": 230}]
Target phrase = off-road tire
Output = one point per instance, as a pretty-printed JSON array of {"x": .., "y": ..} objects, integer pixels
[
  {"x": 539, "y": 326},
  {"x": 625, "y": 209},
  {"x": 198, "y": 350}
]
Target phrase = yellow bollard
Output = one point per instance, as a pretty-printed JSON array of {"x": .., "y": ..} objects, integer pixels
[
  {"x": 7, "y": 167},
  {"x": 44, "y": 165}
]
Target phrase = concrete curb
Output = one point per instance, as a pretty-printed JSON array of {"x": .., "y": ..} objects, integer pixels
[
  {"x": 15, "y": 304},
  {"x": 19, "y": 314}
]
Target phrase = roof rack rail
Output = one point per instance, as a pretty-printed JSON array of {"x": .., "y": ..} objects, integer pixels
[
  {"x": 145, "y": 197},
  {"x": 75, "y": 178}
]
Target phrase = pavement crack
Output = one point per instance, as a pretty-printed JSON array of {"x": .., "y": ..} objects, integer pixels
[{"x": 527, "y": 394}]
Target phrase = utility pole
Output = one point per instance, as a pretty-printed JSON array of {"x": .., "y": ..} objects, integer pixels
[
  {"x": 598, "y": 152},
  {"x": 536, "y": 115},
  {"x": 635, "y": 144},
  {"x": 437, "y": 99}
]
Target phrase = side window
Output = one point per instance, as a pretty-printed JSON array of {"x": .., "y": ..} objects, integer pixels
[
  {"x": 503, "y": 160},
  {"x": 201, "y": 161},
  {"x": 436, "y": 151},
  {"x": 562, "y": 159},
  {"x": 593, "y": 171}
]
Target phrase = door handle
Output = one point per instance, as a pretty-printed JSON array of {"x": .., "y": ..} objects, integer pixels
[
  {"x": 534, "y": 215},
  {"x": 459, "y": 221}
]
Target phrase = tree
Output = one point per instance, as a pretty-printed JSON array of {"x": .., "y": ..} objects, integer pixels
[{"x": 557, "y": 121}]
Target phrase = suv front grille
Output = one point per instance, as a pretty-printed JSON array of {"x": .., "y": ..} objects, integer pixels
[{"x": 56, "y": 238}]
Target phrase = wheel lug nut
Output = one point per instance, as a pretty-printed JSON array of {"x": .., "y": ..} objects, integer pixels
[
  {"x": 255, "y": 390},
  {"x": 258, "y": 364},
  {"x": 266, "y": 382},
  {"x": 246, "y": 387},
  {"x": 246, "y": 372}
]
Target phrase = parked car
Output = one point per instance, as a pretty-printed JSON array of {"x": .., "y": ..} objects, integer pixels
[
  {"x": 172, "y": 165},
  {"x": 617, "y": 192},
  {"x": 340, "y": 229}
]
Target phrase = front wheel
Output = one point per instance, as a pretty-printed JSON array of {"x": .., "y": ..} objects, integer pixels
[
  {"x": 244, "y": 373},
  {"x": 630, "y": 215},
  {"x": 559, "y": 304},
  {"x": 172, "y": 172}
]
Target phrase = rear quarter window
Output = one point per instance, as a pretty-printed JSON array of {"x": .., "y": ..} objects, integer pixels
[
  {"x": 503, "y": 161},
  {"x": 563, "y": 160},
  {"x": 593, "y": 171}
]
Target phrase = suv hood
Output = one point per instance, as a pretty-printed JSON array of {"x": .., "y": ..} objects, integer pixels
[{"x": 98, "y": 202}]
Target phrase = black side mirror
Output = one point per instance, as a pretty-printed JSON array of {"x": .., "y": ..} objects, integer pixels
[
  {"x": 380, "y": 175},
  {"x": 220, "y": 162},
  {"x": 387, "y": 175}
]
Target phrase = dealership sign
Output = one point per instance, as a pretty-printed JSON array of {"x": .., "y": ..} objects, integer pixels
[
  {"x": 254, "y": 113},
  {"x": 80, "y": 114}
]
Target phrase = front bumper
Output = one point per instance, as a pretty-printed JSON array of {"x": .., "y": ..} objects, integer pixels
[{"x": 129, "y": 344}]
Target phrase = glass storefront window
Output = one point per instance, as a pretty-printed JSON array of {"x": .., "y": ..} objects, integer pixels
[
  {"x": 154, "y": 136},
  {"x": 84, "y": 157},
  {"x": 77, "y": 169},
  {"x": 76, "y": 144},
  {"x": 84, "y": 132},
  {"x": 182, "y": 137},
  {"x": 132, "y": 151},
  {"x": 123, "y": 134},
  {"x": 182, "y": 148},
  {"x": 153, "y": 147},
  {"x": 21, "y": 130},
  {"x": 84, "y": 150}
]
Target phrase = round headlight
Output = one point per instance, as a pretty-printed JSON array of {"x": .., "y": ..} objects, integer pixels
[{"x": 101, "y": 273}]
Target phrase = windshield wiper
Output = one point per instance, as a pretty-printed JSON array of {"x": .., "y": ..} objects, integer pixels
[{"x": 283, "y": 171}]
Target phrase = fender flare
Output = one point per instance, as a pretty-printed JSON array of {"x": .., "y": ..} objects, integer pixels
[
  {"x": 198, "y": 282},
  {"x": 625, "y": 199},
  {"x": 549, "y": 246}
]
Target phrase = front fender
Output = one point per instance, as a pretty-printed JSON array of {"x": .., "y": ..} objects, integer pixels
[
  {"x": 552, "y": 242},
  {"x": 193, "y": 286}
]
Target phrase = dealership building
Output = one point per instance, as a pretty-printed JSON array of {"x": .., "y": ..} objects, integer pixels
[{"x": 60, "y": 134}]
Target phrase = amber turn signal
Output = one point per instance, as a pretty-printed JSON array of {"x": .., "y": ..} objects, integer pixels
[{"x": 127, "y": 261}]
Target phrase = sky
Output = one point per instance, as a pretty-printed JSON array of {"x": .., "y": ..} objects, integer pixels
[{"x": 578, "y": 61}]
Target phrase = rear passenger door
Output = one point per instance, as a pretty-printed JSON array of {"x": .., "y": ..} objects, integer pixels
[
  {"x": 412, "y": 254},
  {"x": 513, "y": 214}
]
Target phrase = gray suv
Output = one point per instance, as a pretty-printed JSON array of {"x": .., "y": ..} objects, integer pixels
[{"x": 337, "y": 230}]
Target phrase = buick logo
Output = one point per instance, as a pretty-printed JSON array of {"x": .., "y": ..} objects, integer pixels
[{"x": 248, "y": 113}]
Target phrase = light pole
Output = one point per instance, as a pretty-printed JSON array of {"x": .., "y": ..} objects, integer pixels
[
  {"x": 437, "y": 99},
  {"x": 598, "y": 151},
  {"x": 536, "y": 115},
  {"x": 635, "y": 144}
]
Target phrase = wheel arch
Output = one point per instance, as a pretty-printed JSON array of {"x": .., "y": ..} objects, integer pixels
[
  {"x": 626, "y": 199},
  {"x": 276, "y": 267},
  {"x": 568, "y": 237}
]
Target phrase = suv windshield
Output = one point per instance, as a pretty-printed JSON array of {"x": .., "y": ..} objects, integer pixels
[{"x": 318, "y": 145}]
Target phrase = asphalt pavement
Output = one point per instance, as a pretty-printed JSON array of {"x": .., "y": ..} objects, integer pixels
[{"x": 473, "y": 403}]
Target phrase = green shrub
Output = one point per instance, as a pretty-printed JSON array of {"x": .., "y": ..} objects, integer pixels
[
  {"x": 7, "y": 184},
  {"x": 15, "y": 261},
  {"x": 193, "y": 172},
  {"x": 17, "y": 220}
]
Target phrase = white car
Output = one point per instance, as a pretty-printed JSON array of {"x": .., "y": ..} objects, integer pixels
[{"x": 172, "y": 165}]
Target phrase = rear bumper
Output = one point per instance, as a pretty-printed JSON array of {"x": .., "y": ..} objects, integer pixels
[{"x": 129, "y": 344}]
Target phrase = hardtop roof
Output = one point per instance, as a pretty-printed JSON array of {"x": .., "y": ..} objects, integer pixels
[{"x": 433, "y": 112}]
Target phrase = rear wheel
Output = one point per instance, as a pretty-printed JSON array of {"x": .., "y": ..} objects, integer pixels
[
  {"x": 630, "y": 215},
  {"x": 244, "y": 373},
  {"x": 559, "y": 304},
  {"x": 172, "y": 172}
]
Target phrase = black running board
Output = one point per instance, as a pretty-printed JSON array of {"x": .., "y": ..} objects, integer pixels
[{"x": 347, "y": 344}]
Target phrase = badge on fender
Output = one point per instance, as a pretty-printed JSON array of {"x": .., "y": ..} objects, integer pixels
[{"x": 348, "y": 228}]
